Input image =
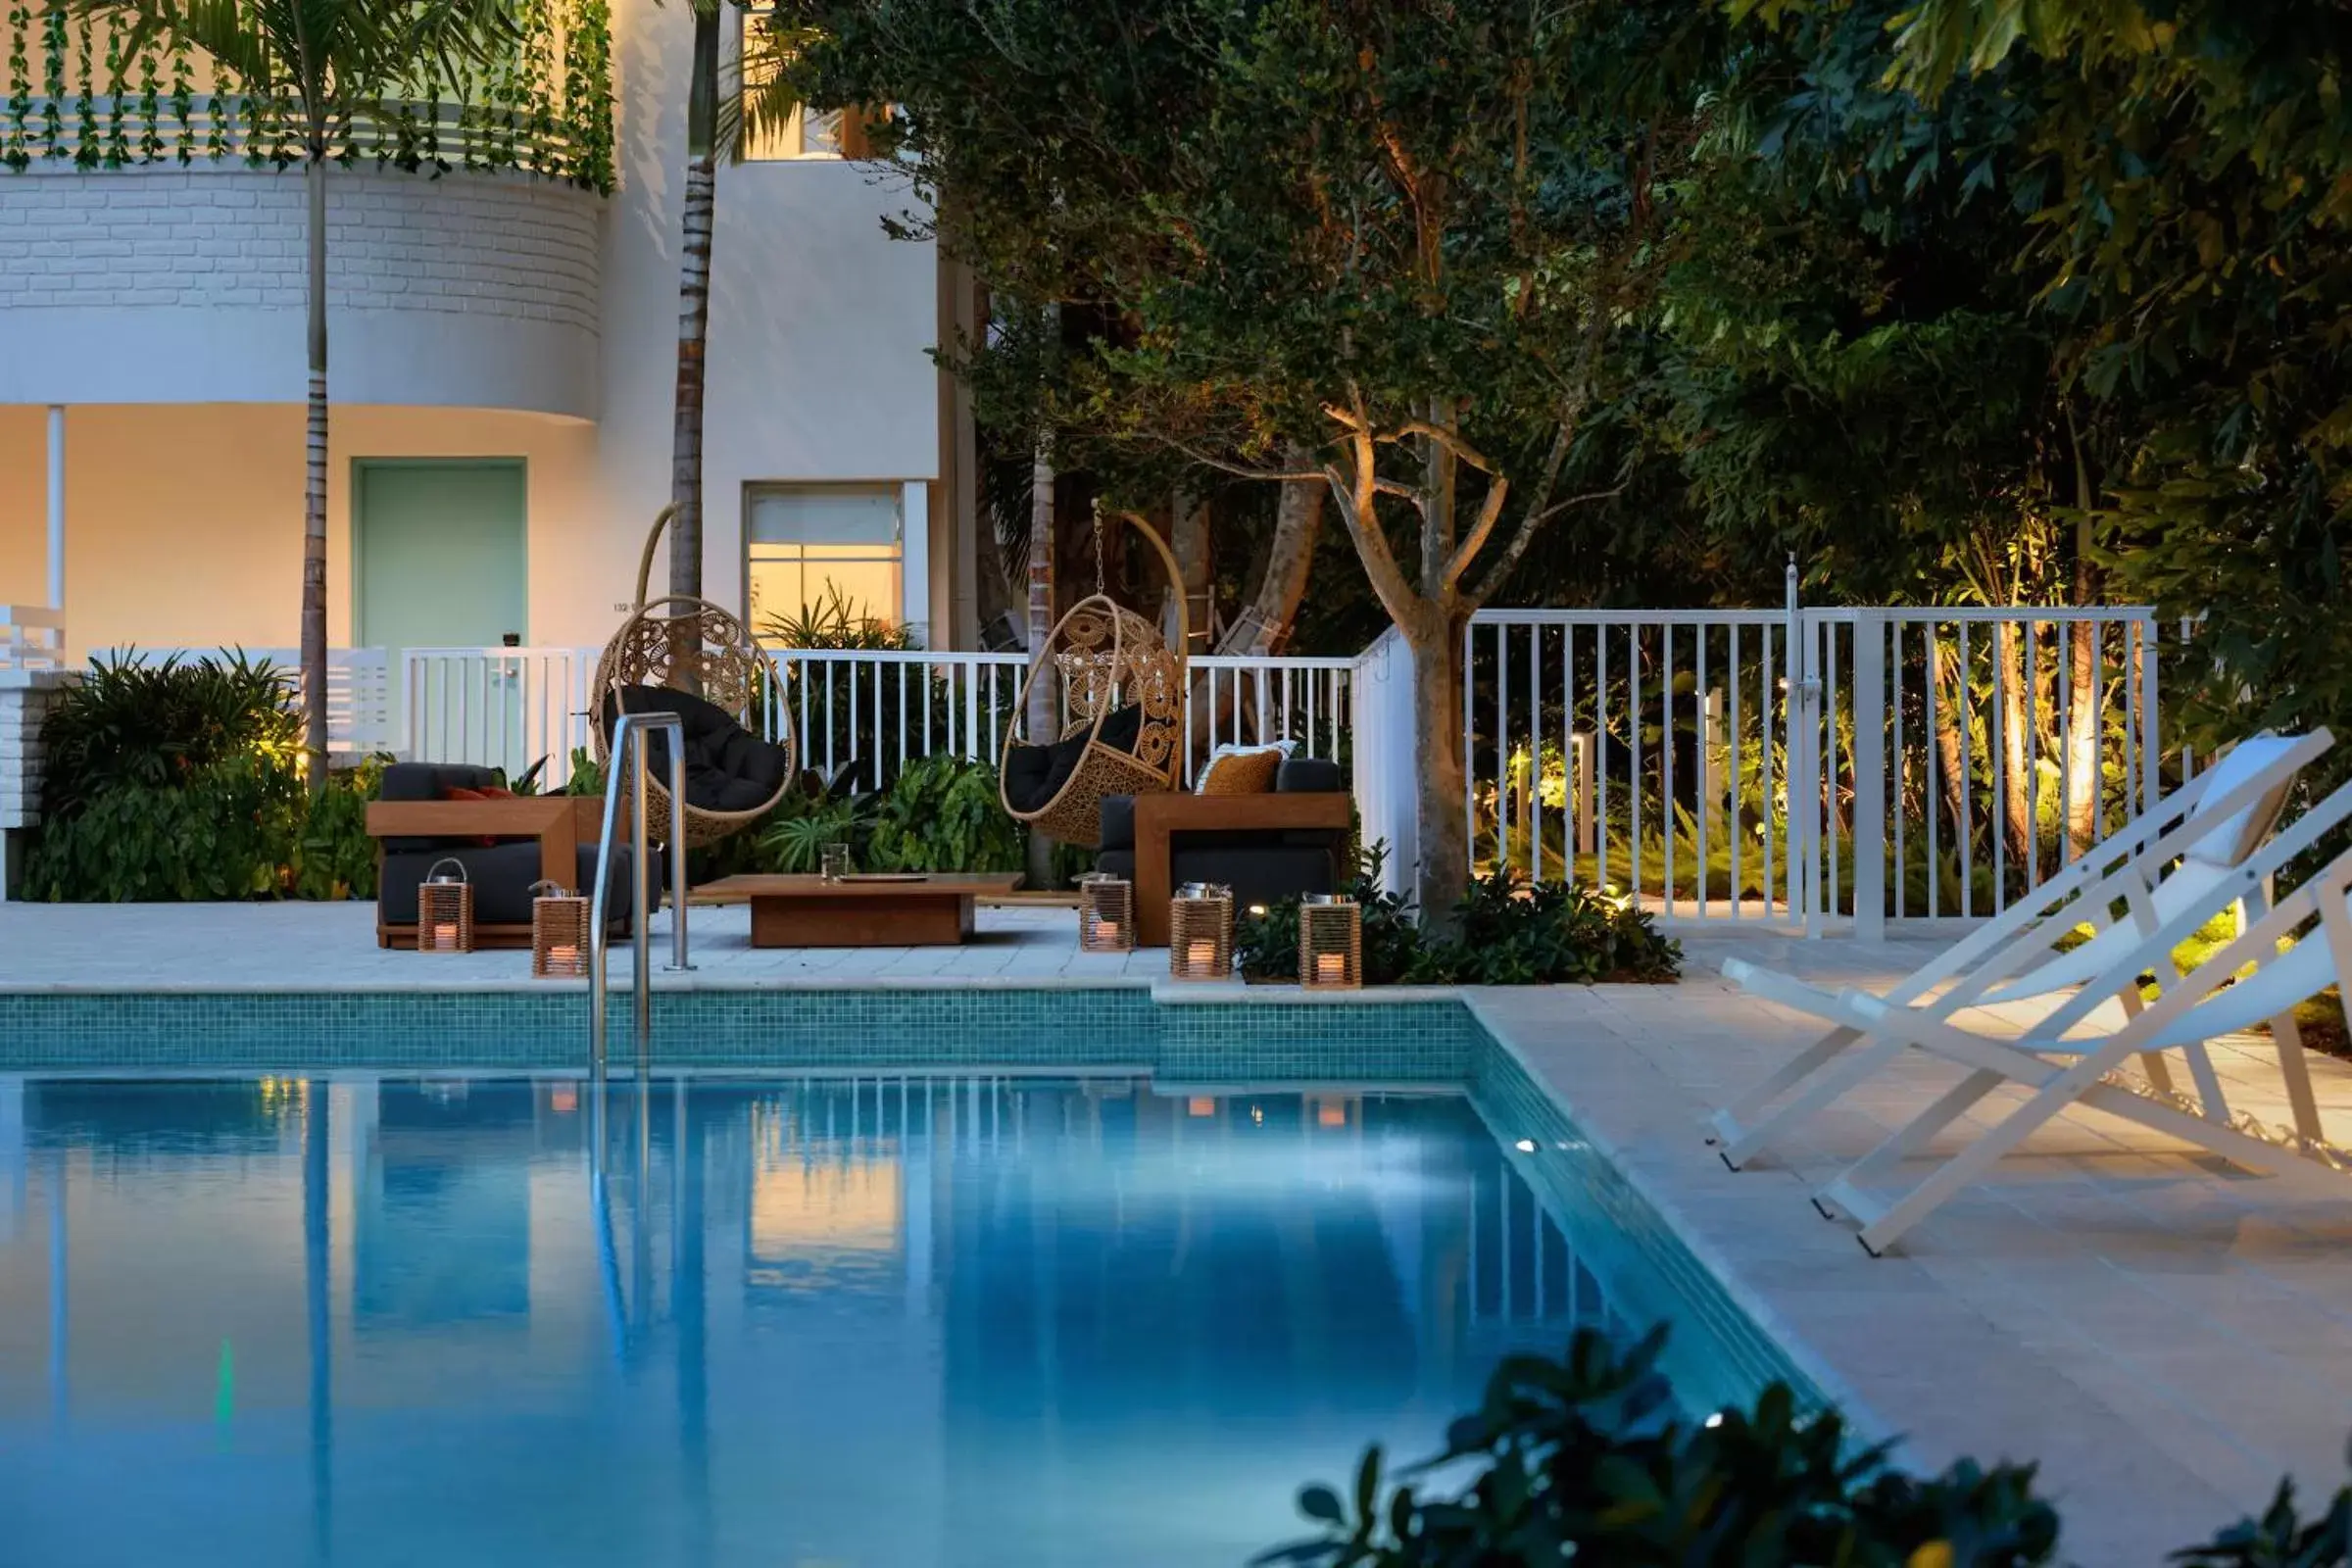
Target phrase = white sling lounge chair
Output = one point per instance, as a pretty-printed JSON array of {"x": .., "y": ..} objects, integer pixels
[
  {"x": 2156, "y": 865},
  {"x": 2211, "y": 1001}
]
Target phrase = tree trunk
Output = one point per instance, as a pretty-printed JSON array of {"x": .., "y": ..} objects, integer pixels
[
  {"x": 2017, "y": 713},
  {"x": 1444, "y": 874},
  {"x": 1039, "y": 722},
  {"x": 2082, "y": 739},
  {"x": 1264, "y": 623},
  {"x": 1950, "y": 713},
  {"x": 1191, "y": 543},
  {"x": 694, "y": 310},
  {"x": 313, "y": 486}
]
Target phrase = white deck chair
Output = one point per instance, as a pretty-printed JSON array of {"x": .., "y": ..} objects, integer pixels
[
  {"x": 2156, "y": 864},
  {"x": 2209, "y": 1001}
]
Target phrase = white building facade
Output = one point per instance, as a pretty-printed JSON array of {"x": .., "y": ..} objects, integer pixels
[{"x": 503, "y": 356}]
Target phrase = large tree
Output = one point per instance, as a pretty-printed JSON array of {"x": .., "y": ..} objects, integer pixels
[
  {"x": 1386, "y": 248},
  {"x": 329, "y": 62},
  {"x": 2191, "y": 234}
]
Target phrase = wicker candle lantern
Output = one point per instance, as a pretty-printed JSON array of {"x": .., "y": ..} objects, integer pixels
[
  {"x": 1331, "y": 942},
  {"x": 445, "y": 909},
  {"x": 559, "y": 933},
  {"x": 1200, "y": 932},
  {"x": 1106, "y": 913}
]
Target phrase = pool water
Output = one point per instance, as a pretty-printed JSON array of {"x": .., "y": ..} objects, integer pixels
[{"x": 790, "y": 1322}]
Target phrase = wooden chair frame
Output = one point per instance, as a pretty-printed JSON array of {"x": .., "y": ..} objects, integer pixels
[
  {"x": 560, "y": 822},
  {"x": 1159, "y": 818}
]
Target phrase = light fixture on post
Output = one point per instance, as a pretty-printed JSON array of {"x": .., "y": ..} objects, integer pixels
[
  {"x": 1200, "y": 932},
  {"x": 445, "y": 909},
  {"x": 1106, "y": 913},
  {"x": 1331, "y": 942}
]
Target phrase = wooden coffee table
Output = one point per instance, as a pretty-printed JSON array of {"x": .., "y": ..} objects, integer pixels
[{"x": 808, "y": 911}]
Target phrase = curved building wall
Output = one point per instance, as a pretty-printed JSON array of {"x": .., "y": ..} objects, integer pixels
[{"x": 170, "y": 285}]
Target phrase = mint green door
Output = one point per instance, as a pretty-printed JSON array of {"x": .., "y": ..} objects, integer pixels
[{"x": 439, "y": 551}]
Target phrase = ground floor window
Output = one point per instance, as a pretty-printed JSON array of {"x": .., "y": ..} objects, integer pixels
[{"x": 821, "y": 553}]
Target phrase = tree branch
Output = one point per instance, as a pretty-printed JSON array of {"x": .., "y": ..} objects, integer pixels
[
  {"x": 1443, "y": 437},
  {"x": 1490, "y": 512},
  {"x": 1370, "y": 540},
  {"x": 1240, "y": 470}
]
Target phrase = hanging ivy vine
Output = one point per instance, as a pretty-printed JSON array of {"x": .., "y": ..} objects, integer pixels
[
  {"x": 75, "y": 90},
  {"x": 17, "y": 152}
]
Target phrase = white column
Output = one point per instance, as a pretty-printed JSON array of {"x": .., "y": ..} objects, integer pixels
[
  {"x": 57, "y": 505},
  {"x": 914, "y": 558}
]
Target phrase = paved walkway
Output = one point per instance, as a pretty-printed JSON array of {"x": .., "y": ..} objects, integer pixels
[{"x": 2167, "y": 1335}]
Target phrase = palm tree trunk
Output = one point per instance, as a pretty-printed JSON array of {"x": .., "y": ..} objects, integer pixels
[
  {"x": 1264, "y": 623},
  {"x": 694, "y": 310},
  {"x": 313, "y": 489},
  {"x": 1039, "y": 724}
]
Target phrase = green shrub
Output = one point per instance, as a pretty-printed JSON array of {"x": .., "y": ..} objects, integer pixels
[
  {"x": 335, "y": 859},
  {"x": 128, "y": 725},
  {"x": 1266, "y": 945},
  {"x": 794, "y": 834},
  {"x": 1505, "y": 933},
  {"x": 944, "y": 814},
  {"x": 1584, "y": 1459},
  {"x": 228, "y": 831}
]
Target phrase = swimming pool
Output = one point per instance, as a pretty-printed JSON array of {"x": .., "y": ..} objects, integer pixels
[{"x": 360, "y": 1319}]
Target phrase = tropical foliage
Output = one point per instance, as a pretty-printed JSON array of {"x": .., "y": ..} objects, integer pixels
[
  {"x": 183, "y": 780},
  {"x": 1962, "y": 303},
  {"x": 1503, "y": 932},
  {"x": 1586, "y": 1458}
]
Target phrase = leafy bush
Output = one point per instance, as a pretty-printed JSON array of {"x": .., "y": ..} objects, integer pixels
[
  {"x": 835, "y": 620},
  {"x": 1585, "y": 1459},
  {"x": 335, "y": 859},
  {"x": 1505, "y": 933},
  {"x": 944, "y": 814},
  {"x": 226, "y": 832},
  {"x": 158, "y": 726},
  {"x": 795, "y": 833},
  {"x": 1266, "y": 945}
]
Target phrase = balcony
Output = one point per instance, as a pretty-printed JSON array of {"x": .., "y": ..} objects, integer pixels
[{"x": 152, "y": 244}]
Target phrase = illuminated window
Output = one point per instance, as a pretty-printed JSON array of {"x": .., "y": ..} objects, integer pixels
[{"x": 820, "y": 551}]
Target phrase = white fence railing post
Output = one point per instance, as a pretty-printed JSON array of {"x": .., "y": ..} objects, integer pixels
[{"x": 1870, "y": 729}]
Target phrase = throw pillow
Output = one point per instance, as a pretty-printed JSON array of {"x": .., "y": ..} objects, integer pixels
[
  {"x": 487, "y": 792},
  {"x": 1243, "y": 769}
]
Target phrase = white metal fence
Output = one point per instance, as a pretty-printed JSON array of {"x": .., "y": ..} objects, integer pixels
[
  {"x": 1800, "y": 764},
  {"x": 867, "y": 712},
  {"x": 359, "y": 692},
  {"x": 1867, "y": 763}
]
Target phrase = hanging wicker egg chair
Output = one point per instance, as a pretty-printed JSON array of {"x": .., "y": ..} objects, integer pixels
[
  {"x": 703, "y": 652},
  {"x": 1123, "y": 689}
]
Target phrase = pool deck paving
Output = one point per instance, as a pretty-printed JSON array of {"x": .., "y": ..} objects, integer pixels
[{"x": 2165, "y": 1335}]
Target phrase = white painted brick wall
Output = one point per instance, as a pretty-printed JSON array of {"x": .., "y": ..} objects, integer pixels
[
  {"x": 466, "y": 244},
  {"x": 24, "y": 699}
]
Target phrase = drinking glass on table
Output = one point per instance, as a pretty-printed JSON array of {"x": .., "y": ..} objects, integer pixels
[{"x": 834, "y": 862}]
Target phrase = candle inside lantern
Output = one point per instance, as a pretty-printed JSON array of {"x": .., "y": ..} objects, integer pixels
[
  {"x": 1200, "y": 957},
  {"x": 1106, "y": 933},
  {"x": 1331, "y": 969},
  {"x": 445, "y": 936},
  {"x": 563, "y": 957}
]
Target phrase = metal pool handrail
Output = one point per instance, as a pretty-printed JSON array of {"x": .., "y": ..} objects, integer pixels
[{"x": 629, "y": 752}]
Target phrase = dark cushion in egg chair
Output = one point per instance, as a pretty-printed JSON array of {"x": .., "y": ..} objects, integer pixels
[
  {"x": 1035, "y": 774},
  {"x": 729, "y": 768}
]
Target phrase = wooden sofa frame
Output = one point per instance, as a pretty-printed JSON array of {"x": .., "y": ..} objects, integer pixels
[
  {"x": 560, "y": 822},
  {"x": 1159, "y": 818}
]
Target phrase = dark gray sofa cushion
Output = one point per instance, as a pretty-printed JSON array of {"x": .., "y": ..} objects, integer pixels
[
  {"x": 502, "y": 875},
  {"x": 431, "y": 781}
]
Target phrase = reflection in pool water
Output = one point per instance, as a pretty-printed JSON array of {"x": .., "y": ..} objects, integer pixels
[{"x": 906, "y": 1321}]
